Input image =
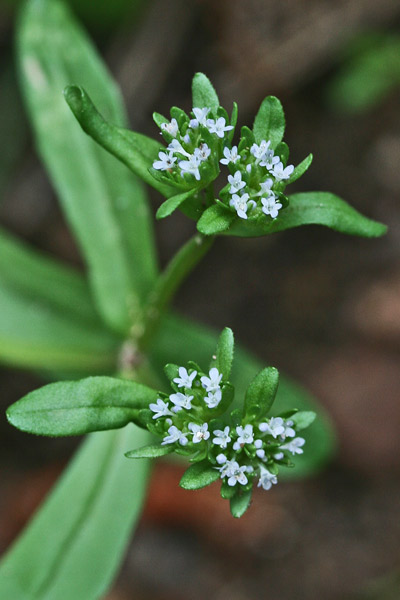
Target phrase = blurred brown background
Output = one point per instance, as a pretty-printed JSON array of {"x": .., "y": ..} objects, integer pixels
[{"x": 320, "y": 306}]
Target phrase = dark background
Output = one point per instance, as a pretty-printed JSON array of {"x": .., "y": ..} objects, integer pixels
[{"x": 322, "y": 307}]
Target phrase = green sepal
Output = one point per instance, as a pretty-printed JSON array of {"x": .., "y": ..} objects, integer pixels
[
  {"x": 269, "y": 123},
  {"x": 300, "y": 169},
  {"x": 215, "y": 219},
  {"x": 203, "y": 93},
  {"x": 261, "y": 393},
  {"x": 198, "y": 476},
  {"x": 240, "y": 502},
  {"x": 303, "y": 419},
  {"x": 227, "y": 491},
  {"x": 224, "y": 353},
  {"x": 169, "y": 206},
  {"x": 153, "y": 451},
  {"x": 246, "y": 139}
]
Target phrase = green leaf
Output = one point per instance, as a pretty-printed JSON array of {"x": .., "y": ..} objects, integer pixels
[
  {"x": 181, "y": 338},
  {"x": 260, "y": 394},
  {"x": 303, "y": 419},
  {"x": 240, "y": 502},
  {"x": 102, "y": 201},
  {"x": 224, "y": 353},
  {"x": 36, "y": 336},
  {"x": 168, "y": 207},
  {"x": 313, "y": 208},
  {"x": 198, "y": 476},
  {"x": 215, "y": 219},
  {"x": 77, "y": 407},
  {"x": 203, "y": 93},
  {"x": 269, "y": 123},
  {"x": 86, "y": 525},
  {"x": 300, "y": 169},
  {"x": 149, "y": 452}
]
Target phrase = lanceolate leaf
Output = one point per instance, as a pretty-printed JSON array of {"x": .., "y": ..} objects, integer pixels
[
  {"x": 301, "y": 168},
  {"x": 35, "y": 336},
  {"x": 149, "y": 452},
  {"x": 102, "y": 201},
  {"x": 224, "y": 354},
  {"x": 203, "y": 92},
  {"x": 261, "y": 393},
  {"x": 73, "y": 546},
  {"x": 240, "y": 502},
  {"x": 215, "y": 219},
  {"x": 77, "y": 407},
  {"x": 198, "y": 476},
  {"x": 167, "y": 208},
  {"x": 313, "y": 208},
  {"x": 269, "y": 123}
]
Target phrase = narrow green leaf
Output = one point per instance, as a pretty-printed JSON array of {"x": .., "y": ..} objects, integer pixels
[
  {"x": 203, "y": 93},
  {"x": 314, "y": 208},
  {"x": 103, "y": 202},
  {"x": 303, "y": 419},
  {"x": 269, "y": 123},
  {"x": 240, "y": 502},
  {"x": 198, "y": 476},
  {"x": 300, "y": 169},
  {"x": 149, "y": 452},
  {"x": 215, "y": 219},
  {"x": 168, "y": 207},
  {"x": 260, "y": 394},
  {"x": 82, "y": 509},
  {"x": 77, "y": 407},
  {"x": 224, "y": 354},
  {"x": 35, "y": 336}
]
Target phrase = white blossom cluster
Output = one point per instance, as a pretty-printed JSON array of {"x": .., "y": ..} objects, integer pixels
[
  {"x": 241, "y": 453},
  {"x": 257, "y": 176}
]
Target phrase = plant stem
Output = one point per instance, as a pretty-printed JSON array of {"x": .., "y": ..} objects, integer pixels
[{"x": 168, "y": 283}]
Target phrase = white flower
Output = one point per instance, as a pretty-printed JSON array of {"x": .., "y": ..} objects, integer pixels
[
  {"x": 241, "y": 204},
  {"x": 222, "y": 438},
  {"x": 260, "y": 452},
  {"x": 200, "y": 432},
  {"x": 236, "y": 182},
  {"x": 221, "y": 459},
  {"x": 181, "y": 401},
  {"x": 289, "y": 431},
  {"x": 258, "y": 151},
  {"x": 184, "y": 380},
  {"x": 238, "y": 477},
  {"x": 186, "y": 138},
  {"x": 229, "y": 467},
  {"x": 274, "y": 426},
  {"x": 271, "y": 206},
  {"x": 200, "y": 117},
  {"x": 160, "y": 408},
  {"x": 278, "y": 456},
  {"x": 211, "y": 383},
  {"x": 269, "y": 160},
  {"x": 231, "y": 156},
  {"x": 294, "y": 446},
  {"x": 171, "y": 128},
  {"x": 191, "y": 166},
  {"x": 202, "y": 153},
  {"x": 176, "y": 147},
  {"x": 213, "y": 398},
  {"x": 265, "y": 187},
  {"x": 266, "y": 479},
  {"x": 218, "y": 127},
  {"x": 175, "y": 435},
  {"x": 280, "y": 173},
  {"x": 245, "y": 436},
  {"x": 166, "y": 161}
]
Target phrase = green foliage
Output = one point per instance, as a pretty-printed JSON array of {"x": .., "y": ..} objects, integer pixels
[
  {"x": 174, "y": 202},
  {"x": 198, "y": 476},
  {"x": 154, "y": 451},
  {"x": 269, "y": 123},
  {"x": 239, "y": 503},
  {"x": 301, "y": 168},
  {"x": 261, "y": 393},
  {"x": 214, "y": 220},
  {"x": 203, "y": 93},
  {"x": 224, "y": 353},
  {"x": 77, "y": 407}
]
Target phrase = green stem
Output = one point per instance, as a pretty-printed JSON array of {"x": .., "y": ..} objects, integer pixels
[{"x": 168, "y": 283}]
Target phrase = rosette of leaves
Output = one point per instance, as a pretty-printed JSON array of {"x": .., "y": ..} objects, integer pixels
[{"x": 201, "y": 147}]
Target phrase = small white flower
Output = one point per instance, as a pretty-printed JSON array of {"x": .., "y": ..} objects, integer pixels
[
  {"x": 202, "y": 153},
  {"x": 213, "y": 398},
  {"x": 200, "y": 432},
  {"x": 274, "y": 426},
  {"x": 191, "y": 166},
  {"x": 265, "y": 187},
  {"x": 269, "y": 160},
  {"x": 231, "y": 156},
  {"x": 271, "y": 206},
  {"x": 238, "y": 477},
  {"x": 280, "y": 173},
  {"x": 184, "y": 380},
  {"x": 258, "y": 151},
  {"x": 294, "y": 446},
  {"x": 218, "y": 127},
  {"x": 236, "y": 182},
  {"x": 229, "y": 467},
  {"x": 241, "y": 204},
  {"x": 267, "y": 479},
  {"x": 260, "y": 452},
  {"x": 245, "y": 435},
  {"x": 222, "y": 437},
  {"x": 278, "y": 456},
  {"x": 248, "y": 168},
  {"x": 171, "y": 128},
  {"x": 221, "y": 459},
  {"x": 186, "y": 138},
  {"x": 176, "y": 147},
  {"x": 175, "y": 435},
  {"x": 200, "y": 117},
  {"x": 165, "y": 162},
  {"x": 289, "y": 431},
  {"x": 161, "y": 409},
  {"x": 181, "y": 401},
  {"x": 211, "y": 383}
]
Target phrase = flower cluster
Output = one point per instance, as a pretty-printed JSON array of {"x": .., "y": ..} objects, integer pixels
[{"x": 198, "y": 147}]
